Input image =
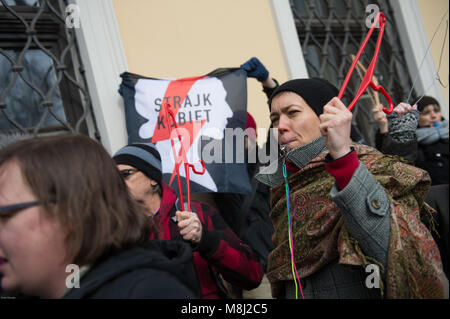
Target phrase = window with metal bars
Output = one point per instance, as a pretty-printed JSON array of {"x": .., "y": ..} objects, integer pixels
[
  {"x": 330, "y": 31},
  {"x": 42, "y": 84}
]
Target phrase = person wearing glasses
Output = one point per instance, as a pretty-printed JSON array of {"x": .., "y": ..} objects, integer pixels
[
  {"x": 217, "y": 251},
  {"x": 70, "y": 229}
]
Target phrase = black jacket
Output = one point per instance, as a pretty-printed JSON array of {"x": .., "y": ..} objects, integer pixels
[
  {"x": 248, "y": 215},
  {"x": 160, "y": 269},
  {"x": 434, "y": 159},
  {"x": 438, "y": 199},
  {"x": 387, "y": 145}
]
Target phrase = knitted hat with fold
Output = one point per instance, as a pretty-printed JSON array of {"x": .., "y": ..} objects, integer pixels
[{"x": 144, "y": 156}]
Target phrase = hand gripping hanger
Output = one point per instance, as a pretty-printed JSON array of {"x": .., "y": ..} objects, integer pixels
[
  {"x": 367, "y": 80},
  {"x": 181, "y": 157}
]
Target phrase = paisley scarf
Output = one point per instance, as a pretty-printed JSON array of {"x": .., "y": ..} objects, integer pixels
[{"x": 414, "y": 268}]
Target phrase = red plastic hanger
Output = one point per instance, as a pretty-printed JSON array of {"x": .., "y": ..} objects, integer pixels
[
  {"x": 367, "y": 80},
  {"x": 180, "y": 158}
]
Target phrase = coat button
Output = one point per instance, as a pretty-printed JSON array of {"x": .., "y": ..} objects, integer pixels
[{"x": 376, "y": 204}]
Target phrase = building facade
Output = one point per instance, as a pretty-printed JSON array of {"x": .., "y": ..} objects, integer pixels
[{"x": 81, "y": 47}]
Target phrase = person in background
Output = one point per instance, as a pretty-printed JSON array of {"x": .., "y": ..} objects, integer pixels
[
  {"x": 432, "y": 138},
  {"x": 218, "y": 252},
  {"x": 255, "y": 69},
  {"x": 399, "y": 135},
  {"x": 248, "y": 214},
  {"x": 65, "y": 210},
  {"x": 438, "y": 199},
  {"x": 396, "y": 133},
  {"x": 7, "y": 138},
  {"x": 432, "y": 156}
]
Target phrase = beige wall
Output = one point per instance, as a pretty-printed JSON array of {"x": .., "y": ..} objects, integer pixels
[
  {"x": 180, "y": 38},
  {"x": 432, "y": 12}
]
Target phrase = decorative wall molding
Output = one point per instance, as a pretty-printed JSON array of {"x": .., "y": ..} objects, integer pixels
[
  {"x": 104, "y": 60},
  {"x": 289, "y": 40}
]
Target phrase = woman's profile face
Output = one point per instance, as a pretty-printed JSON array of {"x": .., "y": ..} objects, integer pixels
[
  {"x": 32, "y": 246},
  {"x": 139, "y": 185},
  {"x": 429, "y": 115},
  {"x": 296, "y": 122}
]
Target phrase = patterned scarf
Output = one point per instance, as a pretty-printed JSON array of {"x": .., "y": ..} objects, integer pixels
[{"x": 414, "y": 268}]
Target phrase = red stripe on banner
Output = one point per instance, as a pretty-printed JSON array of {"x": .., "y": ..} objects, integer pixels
[{"x": 179, "y": 88}]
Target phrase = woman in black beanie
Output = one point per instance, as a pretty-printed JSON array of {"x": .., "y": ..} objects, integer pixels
[{"x": 341, "y": 222}]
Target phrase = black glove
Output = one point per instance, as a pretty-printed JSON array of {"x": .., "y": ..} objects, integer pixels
[{"x": 255, "y": 69}]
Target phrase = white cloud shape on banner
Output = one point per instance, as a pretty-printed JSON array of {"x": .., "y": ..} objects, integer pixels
[{"x": 206, "y": 100}]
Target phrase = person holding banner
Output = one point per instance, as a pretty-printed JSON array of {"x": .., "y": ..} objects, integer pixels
[
  {"x": 347, "y": 218},
  {"x": 255, "y": 69},
  {"x": 218, "y": 252}
]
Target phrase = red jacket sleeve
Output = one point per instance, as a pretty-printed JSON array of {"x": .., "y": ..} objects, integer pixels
[{"x": 229, "y": 255}]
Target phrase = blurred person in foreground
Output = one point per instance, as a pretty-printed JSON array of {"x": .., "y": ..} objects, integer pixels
[{"x": 63, "y": 203}]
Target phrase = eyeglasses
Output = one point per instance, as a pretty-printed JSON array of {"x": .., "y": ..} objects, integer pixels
[
  {"x": 128, "y": 172},
  {"x": 16, "y": 207}
]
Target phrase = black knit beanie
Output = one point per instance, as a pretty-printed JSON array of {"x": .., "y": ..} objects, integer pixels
[
  {"x": 425, "y": 101},
  {"x": 145, "y": 157},
  {"x": 316, "y": 92}
]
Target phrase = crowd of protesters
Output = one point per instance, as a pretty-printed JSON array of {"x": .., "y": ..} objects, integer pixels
[{"x": 65, "y": 201}]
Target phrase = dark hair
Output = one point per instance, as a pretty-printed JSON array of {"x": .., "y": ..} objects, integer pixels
[
  {"x": 7, "y": 138},
  {"x": 77, "y": 182}
]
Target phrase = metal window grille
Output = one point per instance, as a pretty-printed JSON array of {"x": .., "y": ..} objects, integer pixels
[
  {"x": 42, "y": 84},
  {"x": 330, "y": 31}
]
